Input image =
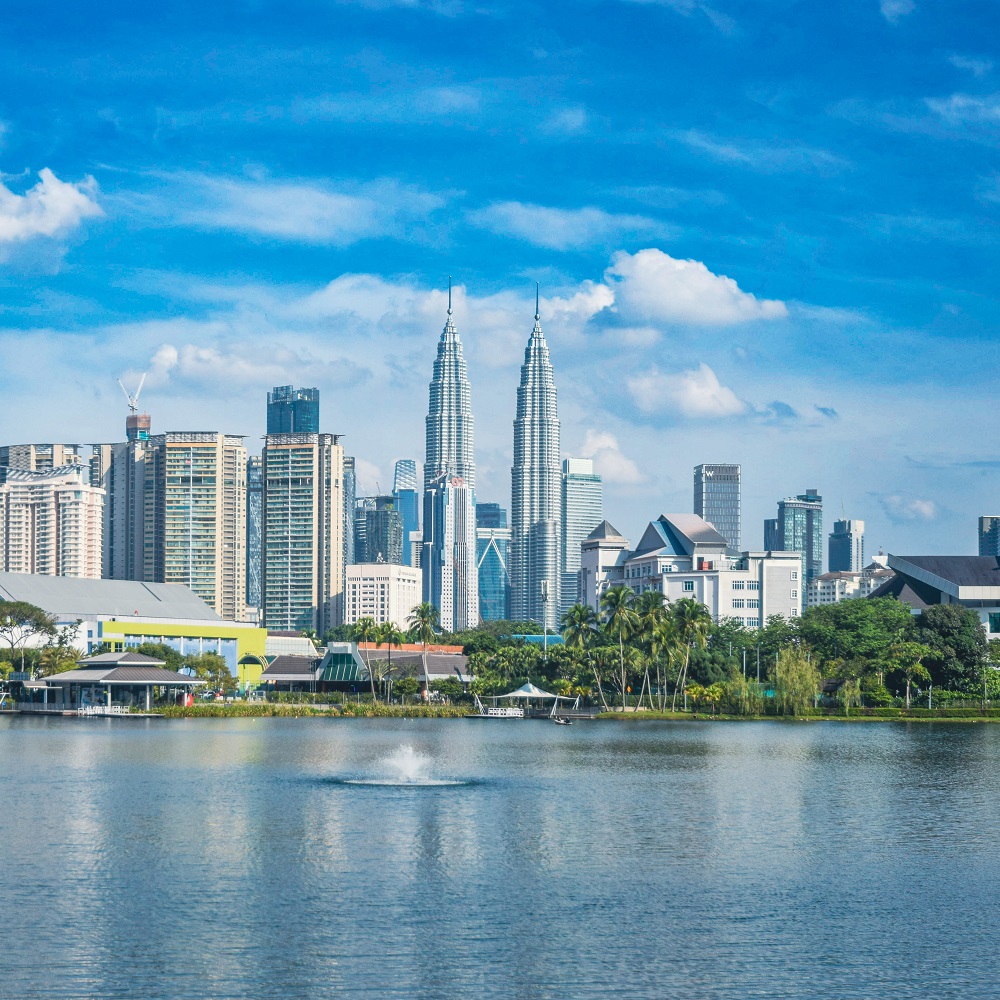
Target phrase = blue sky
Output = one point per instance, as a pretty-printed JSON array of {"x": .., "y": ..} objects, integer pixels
[{"x": 766, "y": 232}]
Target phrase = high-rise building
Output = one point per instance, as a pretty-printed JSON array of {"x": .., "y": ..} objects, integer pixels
[
  {"x": 382, "y": 591},
  {"x": 448, "y": 558},
  {"x": 255, "y": 527},
  {"x": 492, "y": 554},
  {"x": 350, "y": 498},
  {"x": 581, "y": 512},
  {"x": 51, "y": 522},
  {"x": 292, "y": 411},
  {"x": 384, "y": 532},
  {"x": 303, "y": 536},
  {"x": 360, "y": 528},
  {"x": 847, "y": 547},
  {"x": 989, "y": 535},
  {"x": 800, "y": 529},
  {"x": 717, "y": 500},
  {"x": 119, "y": 469},
  {"x": 535, "y": 564},
  {"x": 40, "y": 457},
  {"x": 772, "y": 536},
  {"x": 404, "y": 488},
  {"x": 194, "y": 516}
]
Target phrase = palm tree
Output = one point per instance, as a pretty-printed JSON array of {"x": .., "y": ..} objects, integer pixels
[
  {"x": 691, "y": 621},
  {"x": 388, "y": 635},
  {"x": 651, "y": 607},
  {"x": 579, "y": 626},
  {"x": 621, "y": 620},
  {"x": 424, "y": 622},
  {"x": 365, "y": 631}
]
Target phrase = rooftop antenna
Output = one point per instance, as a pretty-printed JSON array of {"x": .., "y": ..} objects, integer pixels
[
  {"x": 537, "y": 314},
  {"x": 449, "y": 294},
  {"x": 133, "y": 401}
]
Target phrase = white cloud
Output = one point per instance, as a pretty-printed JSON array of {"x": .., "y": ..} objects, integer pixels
[
  {"x": 893, "y": 10},
  {"x": 306, "y": 212},
  {"x": 410, "y": 107},
  {"x": 566, "y": 121},
  {"x": 50, "y": 208},
  {"x": 609, "y": 462},
  {"x": 766, "y": 156},
  {"x": 560, "y": 228},
  {"x": 651, "y": 286},
  {"x": 977, "y": 66},
  {"x": 697, "y": 394},
  {"x": 967, "y": 108},
  {"x": 901, "y": 509}
]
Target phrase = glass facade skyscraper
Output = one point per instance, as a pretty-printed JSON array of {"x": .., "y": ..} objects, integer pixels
[
  {"x": 800, "y": 529},
  {"x": 989, "y": 535},
  {"x": 717, "y": 500},
  {"x": 384, "y": 532},
  {"x": 492, "y": 552},
  {"x": 536, "y": 536},
  {"x": 582, "y": 511},
  {"x": 255, "y": 511},
  {"x": 448, "y": 557},
  {"x": 847, "y": 547},
  {"x": 407, "y": 496},
  {"x": 292, "y": 411}
]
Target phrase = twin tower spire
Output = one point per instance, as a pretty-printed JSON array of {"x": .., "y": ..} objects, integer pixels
[{"x": 448, "y": 556}]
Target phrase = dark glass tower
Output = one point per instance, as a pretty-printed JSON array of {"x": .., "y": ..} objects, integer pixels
[
  {"x": 492, "y": 545},
  {"x": 292, "y": 411}
]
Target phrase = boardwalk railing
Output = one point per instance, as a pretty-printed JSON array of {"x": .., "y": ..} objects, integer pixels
[{"x": 103, "y": 710}]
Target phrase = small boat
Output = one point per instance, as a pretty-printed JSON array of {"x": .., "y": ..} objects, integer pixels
[{"x": 562, "y": 722}]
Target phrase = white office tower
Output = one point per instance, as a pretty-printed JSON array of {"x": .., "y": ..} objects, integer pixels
[
  {"x": 448, "y": 556},
  {"x": 51, "y": 523},
  {"x": 582, "y": 511},
  {"x": 535, "y": 569}
]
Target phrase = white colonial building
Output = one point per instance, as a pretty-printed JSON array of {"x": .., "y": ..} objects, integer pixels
[{"x": 682, "y": 555}]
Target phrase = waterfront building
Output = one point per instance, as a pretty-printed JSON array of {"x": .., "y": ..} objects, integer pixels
[
  {"x": 800, "y": 529},
  {"x": 717, "y": 500},
  {"x": 407, "y": 494},
  {"x": 602, "y": 563},
  {"x": 255, "y": 514},
  {"x": 384, "y": 532},
  {"x": 923, "y": 581},
  {"x": 683, "y": 556},
  {"x": 125, "y": 613},
  {"x": 386, "y": 592},
  {"x": 847, "y": 547},
  {"x": 492, "y": 555},
  {"x": 303, "y": 526},
  {"x": 581, "y": 510},
  {"x": 536, "y": 532},
  {"x": 51, "y": 522},
  {"x": 194, "y": 516},
  {"x": 448, "y": 556},
  {"x": 989, "y": 535},
  {"x": 292, "y": 411}
]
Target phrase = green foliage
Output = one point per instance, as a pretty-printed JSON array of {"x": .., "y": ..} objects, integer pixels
[
  {"x": 211, "y": 667},
  {"x": 957, "y": 642},
  {"x": 339, "y": 633},
  {"x": 451, "y": 688},
  {"x": 21, "y": 621},
  {"x": 406, "y": 687},
  {"x": 171, "y": 659},
  {"x": 796, "y": 682},
  {"x": 862, "y": 629}
]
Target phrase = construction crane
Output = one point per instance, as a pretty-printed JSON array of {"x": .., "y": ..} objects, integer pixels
[{"x": 133, "y": 401}]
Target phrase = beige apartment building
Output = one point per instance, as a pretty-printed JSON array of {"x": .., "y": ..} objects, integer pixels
[{"x": 51, "y": 522}]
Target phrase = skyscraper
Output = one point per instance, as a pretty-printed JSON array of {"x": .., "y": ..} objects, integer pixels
[
  {"x": 847, "y": 547},
  {"x": 492, "y": 554},
  {"x": 800, "y": 529},
  {"x": 582, "y": 511},
  {"x": 449, "y": 547},
  {"x": 303, "y": 543},
  {"x": 535, "y": 570},
  {"x": 194, "y": 516},
  {"x": 717, "y": 500},
  {"x": 255, "y": 512},
  {"x": 292, "y": 411},
  {"x": 350, "y": 497},
  {"x": 384, "y": 532},
  {"x": 989, "y": 535},
  {"x": 404, "y": 488}
]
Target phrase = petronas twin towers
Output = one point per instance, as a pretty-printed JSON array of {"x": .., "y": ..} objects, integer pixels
[{"x": 449, "y": 549}]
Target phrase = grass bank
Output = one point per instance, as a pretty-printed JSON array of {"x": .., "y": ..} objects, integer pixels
[
  {"x": 859, "y": 715},
  {"x": 260, "y": 710}
]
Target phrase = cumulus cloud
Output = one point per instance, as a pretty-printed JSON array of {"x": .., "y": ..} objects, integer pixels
[
  {"x": 50, "y": 208},
  {"x": 609, "y": 461},
  {"x": 697, "y": 394},
  {"x": 651, "y": 286},
  {"x": 902, "y": 509},
  {"x": 305, "y": 212},
  {"x": 559, "y": 228},
  {"x": 894, "y": 10}
]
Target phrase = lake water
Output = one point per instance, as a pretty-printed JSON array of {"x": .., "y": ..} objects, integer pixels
[{"x": 251, "y": 858}]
